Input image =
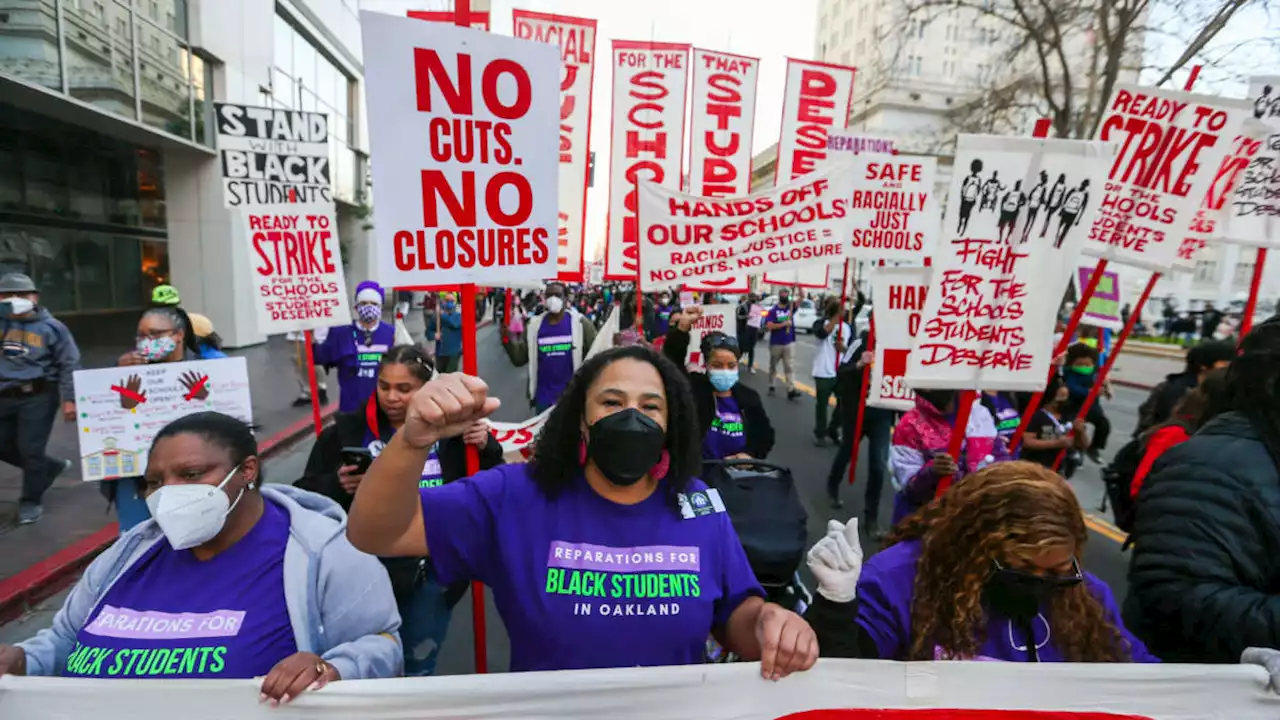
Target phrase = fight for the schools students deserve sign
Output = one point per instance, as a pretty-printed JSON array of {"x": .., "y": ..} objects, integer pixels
[
  {"x": 463, "y": 126},
  {"x": 1254, "y": 212},
  {"x": 271, "y": 156},
  {"x": 1171, "y": 146},
  {"x": 686, "y": 237},
  {"x": 296, "y": 267},
  {"x": 1005, "y": 261},
  {"x": 576, "y": 40},
  {"x": 893, "y": 209},
  {"x": 120, "y": 409},
  {"x": 646, "y": 141},
  {"x": 900, "y": 293}
]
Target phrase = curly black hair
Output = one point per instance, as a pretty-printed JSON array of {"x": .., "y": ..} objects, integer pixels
[{"x": 555, "y": 465}]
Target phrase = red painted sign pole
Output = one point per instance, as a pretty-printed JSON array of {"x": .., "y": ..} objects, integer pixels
[{"x": 1251, "y": 306}]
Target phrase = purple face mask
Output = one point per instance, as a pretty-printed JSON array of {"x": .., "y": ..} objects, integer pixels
[{"x": 368, "y": 313}]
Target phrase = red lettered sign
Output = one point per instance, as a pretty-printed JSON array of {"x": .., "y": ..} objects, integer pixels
[
  {"x": 900, "y": 293},
  {"x": 297, "y": 267}
]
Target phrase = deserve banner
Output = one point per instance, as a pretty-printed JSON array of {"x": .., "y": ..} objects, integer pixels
[{"x": 834, "y": 689}]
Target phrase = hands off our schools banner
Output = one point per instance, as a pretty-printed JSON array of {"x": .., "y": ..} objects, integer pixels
[{"x": 833, "y": 690}]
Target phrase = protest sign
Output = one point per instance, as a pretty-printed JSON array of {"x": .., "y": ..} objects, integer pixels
[
  {"x": 297, "y": 267},
  {"x": 595, "y": 274},
  {"x": 845, "y": 141},
  {"x": 119, "y": 410},
  {"x": 812, "y": 276},
  {"x": 899, "y": 294},
  {"x": 272, "y": 156},
  {"x": 646, "y": 140},
  {"x": 1170, "y": 148},
  {"x": 997, "y": 278},
  {"x": 463, "y": 128},
  {"x": 1213, "y": 219},
  {"x": 576, "y": 39},
  {"x": 1103, "y": 309},
  {"x": 517, "y": 439},
  {"x": 834, "y": 689},
  {"x": 817, "y": 100},
  {"x": 1254, "y": 214},
  {"x": 685, "y": 237},
  {"x": 721, "y": 127},
  {"x": 715, "y": 318},
  {"x": 893, "y": 209}
]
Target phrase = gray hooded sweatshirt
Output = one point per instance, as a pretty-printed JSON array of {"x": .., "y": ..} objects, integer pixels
[
  {"x": 339, "y": 599},
  {"x": 38, "y": 348}
]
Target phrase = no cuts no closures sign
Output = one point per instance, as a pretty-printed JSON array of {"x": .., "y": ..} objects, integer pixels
[{"x": 464, "y": 132}]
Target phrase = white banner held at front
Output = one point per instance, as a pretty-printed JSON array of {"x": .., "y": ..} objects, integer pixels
[
  {"x": 684, "y": 237},
  {"x": 646, "y": 140},
  {"x": 297, "y": 267},
  {"x": 894, "y": 212},
  {"x": 997, "y": 283},
  {"x": 899, "y": 294},
  {"x": 463, "y": 126},
  {"x": 271, "y": 156},
  {"x": 576, "y": 39}
]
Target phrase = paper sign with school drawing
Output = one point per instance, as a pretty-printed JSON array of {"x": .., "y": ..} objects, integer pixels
[{"x": 119, "y": 410}]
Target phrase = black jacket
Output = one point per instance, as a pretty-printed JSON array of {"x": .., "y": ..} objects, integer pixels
[
  {"x": 1204, "y": 581},
  {"x": 755, "y": 421},
  {"x": 1164, "y": 399}
]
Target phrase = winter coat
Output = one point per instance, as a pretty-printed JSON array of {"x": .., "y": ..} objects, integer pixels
[{"x": 924, "y": 432}]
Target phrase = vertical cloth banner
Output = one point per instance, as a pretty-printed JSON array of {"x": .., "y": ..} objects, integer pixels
[
  {"x": 646, "y": 139},
  {"x": 576, "y": 39},
  {"x": 1254, "y": 217},
  {"x": 899, "y": 294},
  {"x": 1103, "y": 309},
  {"x": 271, "y": 156},
  {"x": 995, "y": 289},
  {"x": 721, "y": 127},
  {"x": 893, "y": 210},
  {"x": 463, "y": 127},
  {"x": 1171, "y": 146},
  {"x": 297, "y": 267}
]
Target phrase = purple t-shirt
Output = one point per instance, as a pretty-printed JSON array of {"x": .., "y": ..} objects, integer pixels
[
  {"x": 662, "y": 314},
  {"x": 725, "y": 437},
  {"x": 432, "y": 476},
  {"x": 781, "y": 336},
  {"x": 582, "y": 582},
  {"x": 555, "y": 359},
  {"x": 1006, "y": 417},
  {"x": 173, "y": 616},
  {"x": 887, "y": 586}
]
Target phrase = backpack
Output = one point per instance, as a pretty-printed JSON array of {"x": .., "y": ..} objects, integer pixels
[
  {"x": 1075, "y": 200},
  {"x": 1117, "y": 477},
  {"x": 766, "y": 513},
  {"x": 969, "y": 189}
]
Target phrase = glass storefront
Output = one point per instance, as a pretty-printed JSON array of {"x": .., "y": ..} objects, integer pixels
[{"x": 83, "y": 214}]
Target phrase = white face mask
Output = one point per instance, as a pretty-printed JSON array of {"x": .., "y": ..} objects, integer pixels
[
  {"x": 191, "y": 515},
  {"x": 20, "y": 306},
  {"x": 555, "y": 304}
]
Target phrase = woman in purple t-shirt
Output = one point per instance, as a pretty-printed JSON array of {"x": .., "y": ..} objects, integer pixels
[{"x": 604, "y": 551}]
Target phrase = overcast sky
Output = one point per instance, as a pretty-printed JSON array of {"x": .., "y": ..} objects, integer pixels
[{"x": 770, "y": 30}]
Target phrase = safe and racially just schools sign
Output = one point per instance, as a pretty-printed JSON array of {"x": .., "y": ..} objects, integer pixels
[
  {"x": 893, "y": 209},
  {"x": 297, "y": 267},
  {"x": 271, "y": 156},
  {"x": 464, "y": 126},
  {"x": 119, "y": 410}
]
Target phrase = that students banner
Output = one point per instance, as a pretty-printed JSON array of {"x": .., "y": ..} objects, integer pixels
[
  {"x": 463, "y": 126},
  {"x": 833, "y": 690},
  {"x": 899, "y": 294},
  {"x": 1170, "y": 148},
  {"x": 576, "y": 39},
  {"x": 271, "y": 156},
  {"x": 296, "y": 262},
  {"x": 720, "y": 130},
  {"x": 646, "y": 142},
  {"x": 684, "y": 237},
  {"x": 1001, "y": 270}
]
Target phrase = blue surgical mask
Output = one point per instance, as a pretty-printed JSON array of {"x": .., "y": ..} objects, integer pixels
[{"x": 723, "y": 380}]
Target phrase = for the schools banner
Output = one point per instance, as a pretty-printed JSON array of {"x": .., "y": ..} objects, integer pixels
[
  {"x": 720, "y": 130},
  {"x": 463, "y": 126},
  {"x": 1004, "y": 263},
  {"x": 899, "y": 294},
  {"x": 646, "y": 142},
  {"x": 685, "y": 237},
  {"x": 576, "y": 39},
  {"x": 120, "y": 409},
  {"x": 1103, "y": 309},
  {"x": 271, "y": 156},
  {"x": 1170, "y": 148},
  {"x": 893, "y": 208},
  {"x": 1254, "y": 212},
  {"x": 298, "y": 282},
  {"x": 833, "y": 690}
]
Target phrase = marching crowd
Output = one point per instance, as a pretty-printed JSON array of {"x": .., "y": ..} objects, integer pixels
[{"x": 606, "y": 548}]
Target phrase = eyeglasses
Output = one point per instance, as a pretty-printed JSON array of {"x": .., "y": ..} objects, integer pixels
[{"x": 1075, "y": 578}]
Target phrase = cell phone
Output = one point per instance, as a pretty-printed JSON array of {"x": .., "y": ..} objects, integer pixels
[{"x": 361, "y": 457}]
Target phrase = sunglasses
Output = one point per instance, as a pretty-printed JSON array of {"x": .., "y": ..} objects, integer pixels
[
  {"x": 1075, "y": 578},
  {"x": 721, "y": 342}
]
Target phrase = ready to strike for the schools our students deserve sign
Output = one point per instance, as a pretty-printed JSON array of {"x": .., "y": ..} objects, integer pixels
[
  {"x": 1170, "y": 148},
  {"x": 464, "y": 128},
  {"x": 296, "y": 267},
  {"x": 1005, "y": 261},
  {"x": 893, "y": 209},
  {"x": 686, "y": 237},
  {"x": 900, "y": 293},
  {"x": 271, "y": 156}
]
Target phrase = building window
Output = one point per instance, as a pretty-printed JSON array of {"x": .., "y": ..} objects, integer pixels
[{"x": 305, "y": 78}]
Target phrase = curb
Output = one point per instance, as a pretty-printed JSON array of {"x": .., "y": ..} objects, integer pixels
[{"x": 56, "y": 572}]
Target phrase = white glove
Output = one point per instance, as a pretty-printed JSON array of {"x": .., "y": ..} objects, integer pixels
[
  {"x": 1266, "y": 658},
  {"x": 836, "y": 561}
]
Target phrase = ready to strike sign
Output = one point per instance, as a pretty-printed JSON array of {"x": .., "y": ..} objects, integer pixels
[
  {"x": 1170, "y": 148},
  {"x": 685, "y": 238},
  {"x": 900, "y": 293},
  {"x": 893, "y": 211},
  {"x": 297, "y": 267},
  {"x": 272, "y": 156},
  {"x": 1000, "y": 273},
  {"x": 464, "y": 132}
]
